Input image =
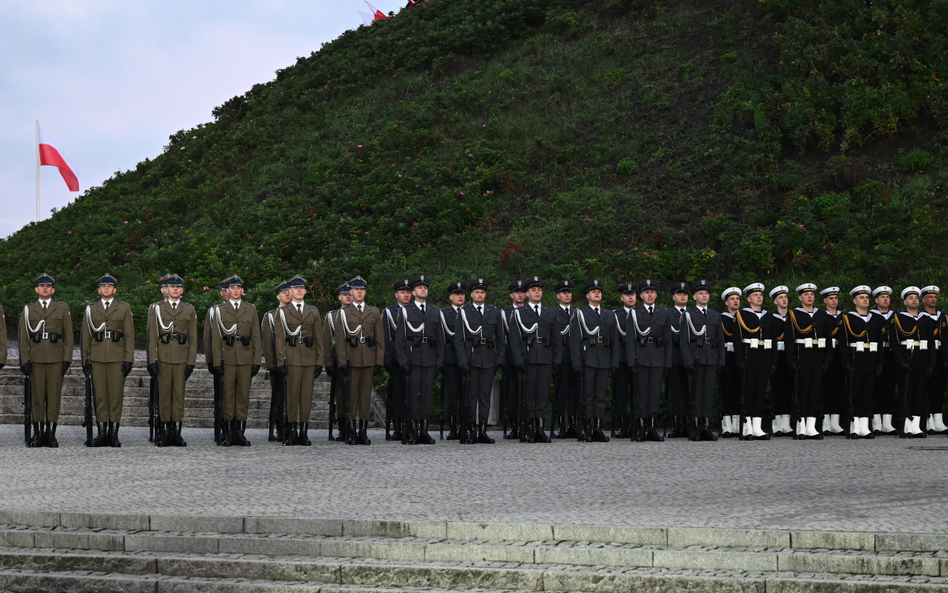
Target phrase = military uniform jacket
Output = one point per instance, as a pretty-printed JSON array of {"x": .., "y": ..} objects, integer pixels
[
  {"x": 208, "y": 337},
  {"x": 180, "y": 327},
  {"x": 298, "y": 337},
  {"x": 911, "y": 337},
  {"x": 54, "y": 322},
  {"x": 677, "y": 316},
  {"x": 482, "y": 349},
  {"x": 808, "y": 332},
  {"x": 330, "y": 327},
  {"x": 419, "y": 339},
  {"x": 542, "y": 337},
  {"x": 860, "y": 338},
  {"x": 731, "y": 336},
  {"x": 563, "y": 317},
  {"x": 108, "y": 336},
  {"x": 243, "y": 325},
  {"x": 938, "y": 321},
  {"x": 449, "y": 318},
  {"x": 702, "y": 338},
  {"x": 601, "y": 347},
  {"x": 360, "y": 336},
  {"x": 648, "y": 338},
  {"x": 266, "y": 338},
  {"x": 622, "y": 320},
  {"x": 506, "y": 315},
  {"x": 756, "y": 335},
  {"x": 390, "y": 318}
]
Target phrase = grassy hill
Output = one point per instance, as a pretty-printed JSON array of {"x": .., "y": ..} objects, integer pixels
[{"x": 730, "y": 140}]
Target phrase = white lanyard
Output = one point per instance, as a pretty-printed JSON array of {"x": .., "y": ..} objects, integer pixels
[
  {"x": 635, "y": 324},
  {"x": 467, "y": 325},
  {"x": 41, "y": 324},
  {"x": 345, "y": 324},
  {"x": 524, "y": 329},
  {"x": 231, "y": 331},
  {"x": 444, "y": 323},
  {"x": 691, "y": 326},
  {"x": 619, "y": 324},
  {"x": 286, "y": 328},
  {"x": 92, "y": 328},
  {"x": 582, "y": 323},
  {"x": 161, "y": 324}
]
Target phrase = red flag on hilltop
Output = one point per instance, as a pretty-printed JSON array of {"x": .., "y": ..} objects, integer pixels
[
  {"x": 378, "y": 14},
  {"x": 50, "y": 155}
]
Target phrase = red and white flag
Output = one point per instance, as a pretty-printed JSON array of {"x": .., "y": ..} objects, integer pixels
[
  {"x": 378, "y": 14},
  {"x": 367, "y": 18},
  {"x": 50, "y": 155}
]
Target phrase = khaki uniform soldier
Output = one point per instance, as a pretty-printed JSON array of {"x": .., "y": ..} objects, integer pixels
[
  {"x": 237, "y": 353},
  {"x": 46, "y": 342},
  {"x": 172, "y": 352},
  {"x": 339, "y": 402},
  {"x": 209, "y": 323},
  {"x": 268, "y": 343},
  {"x": 299, "y": 351},
  {"x": 107, "y": 340},
  {"x": 360, "y": 350}
]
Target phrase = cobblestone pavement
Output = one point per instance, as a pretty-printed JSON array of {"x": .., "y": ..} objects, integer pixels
[{"x": 885, "y": 485}]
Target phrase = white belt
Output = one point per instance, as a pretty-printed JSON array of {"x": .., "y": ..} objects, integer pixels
[
  {"x": 861, "y": 346},
  {"x": 729, "y": 346},
  {"x": 755, "y": 343},
  {"x": 781, "y": 346},
  {"x": 834, "y": 342},
  {"x": 912, "y": 344},
  {"x": 808, "y": 342},
  {"x": 937, "y": 344}
]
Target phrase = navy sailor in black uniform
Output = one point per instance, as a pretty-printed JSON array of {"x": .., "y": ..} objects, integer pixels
[{"x": 860, "y": 335}]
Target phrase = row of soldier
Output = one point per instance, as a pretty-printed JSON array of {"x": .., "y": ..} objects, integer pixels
[{"x": 639, "y": 346}]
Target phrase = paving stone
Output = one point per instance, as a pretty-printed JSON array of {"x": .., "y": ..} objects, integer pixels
[{"x": 833, "y": 540}]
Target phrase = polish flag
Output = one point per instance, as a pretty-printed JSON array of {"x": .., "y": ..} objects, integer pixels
[
  {"x": 366, "y": 18},
  {"x": 51, "y": 156},
  {"x": 378, "y": 14}
]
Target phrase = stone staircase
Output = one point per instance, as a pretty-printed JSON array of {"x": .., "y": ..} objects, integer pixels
[{"x": 140, "y": 553}]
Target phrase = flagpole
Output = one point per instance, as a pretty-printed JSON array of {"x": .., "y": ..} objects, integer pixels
[{"x": 37, "y": 171}]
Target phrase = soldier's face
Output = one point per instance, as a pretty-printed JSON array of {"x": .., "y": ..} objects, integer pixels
[
  {"x": 680, "y": 299},
  {"x": 45, "y": 291},
  {"x": 235, "y": 292},
  {"x": 648, "y": 296},
  {"x": 832, "y": 301},
  {"x": 565, "y": 297},
  {"x": 861, "y": 301},
  {"x": 420, "y": 292},
  {"x": 284, "y": 297},
  {"x": 807, "y": 299},
  {"x": 298, "y": 293},
  {"x": 594, "y": 297},
  {"x": 535, "y": 294},
  {"x": 781, "y": 301},
  {"x": 518, "y": 297},
  {"x": 733, "y": 302},
  {"x": 911, "y": 301},
  {"x": 358, "y": 294},
  {"x": 457, "y": 298},
  {"x": 702, "y": 297},
  {"x": 107, "y": 291},
  {"x": 931, "y": 301},
  {"x": 175, "y": 292},
  {"x": 884, "y": 301},
  {"x": 479, "y": 296},
  {"x": 403, "y": 296},
  {"x": 345, "y": 298},
  {"x": 628, "y": 300},
  {"x": 756, "y": 299}
]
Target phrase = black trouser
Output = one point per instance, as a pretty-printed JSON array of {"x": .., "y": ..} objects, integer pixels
[
  {"x": 480, "y": 385},
  {"x": 833, "y": 381},
  {"x": 757, "y": 363},
  {"x": 453, "y": 381},
  {"x": 420, "y": 385},
  {"x": 594, "y": 391},
  {"x": 883, "y": 392},
  {"x": 396, "y": 393},
  {"x": 781, "y": 387},
  {"x": 538, "y": 390},
  {"x": 512, "y": 393},
  {"x": 567, "y": 390},
  {"x": 621, "y": 391},
  {"x": 679, "y": 401},
  {"x": 703, "y": 390},
  {"x": 861, "y": 383},
  {"x": 810, "y": 381},
  {"x": 730, "y": 382},
  {"x": 648, "y": 390},
  {"x": 936, "y": 388},
  {"x": 913, "y": 386}
]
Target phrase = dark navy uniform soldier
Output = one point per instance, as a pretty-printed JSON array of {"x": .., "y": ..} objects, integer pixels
[{"x": 649, "y": 348}]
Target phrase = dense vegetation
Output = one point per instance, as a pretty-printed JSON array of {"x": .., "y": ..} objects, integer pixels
[{"x": 732, "y": 140}]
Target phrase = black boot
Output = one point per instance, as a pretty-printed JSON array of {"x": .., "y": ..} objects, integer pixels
[
  {"x": 526, "y": 431},
  {"x": 51, "y": 435},
  {"x": 396, "y": 430},
  {"x": 303, "y": 438},
  {"x": 410, "y": 434},
  {"x": 482, "y": 436},
  {"x": 343, "y": 435},
  {"x": 271, "y": 435},
  {"x": 694, "y": 431},
  {"x": 678, "y": 428},
  {"x": 571, "y": 431},
  {"x": 705, "y": 433},
  {"x": 598, "y": 435},
  {"x": 651, "y": 434},
  {"x": 37, "y": 440},
  {"x": 102, "y": 437},
  {"x": 113, "y": 435},
  {"x": 227, "y": 433},
  {"x": 351, "y": 433},
  {"x": 587, "y": 435},
  {"x": 562, "y": 433},
  {"x": 538, "y": 435},
  {"x": 176, "y": 440},
  {"x": 162, "y": 438},
  {"x": 639, "y": 432},
  {"x": 290, "y": 434},
  {"x": 514, "y": 433},
  {"x": 452, "y": 429},
  {"x": 364, "y": 433},
  {"x": 241, "y": 438},
  {"x": 424, "y": 438}
]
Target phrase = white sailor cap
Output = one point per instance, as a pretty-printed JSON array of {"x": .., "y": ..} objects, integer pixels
[
  {"x": 729, "y": 291},
  {"x": 930, "y": 289},
  {"x": 779, "y": 291},
  {"x": 910, "y": 290},
  {"x": 861, "y": 289},
  {"x": 806, "y": 287},
  {"x": 829, "y": 291},
  {"x": 881, "y": 290},
  {"x": 755, "y": 287}
]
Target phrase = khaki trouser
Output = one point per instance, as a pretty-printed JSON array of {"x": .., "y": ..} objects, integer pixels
[
  {"x": 47, "y": 388},
  {"x": 236, "y": 396},
  {"x": 171, "y": 392},
  {"x": 299, "y": 393},
  {"x": 108, "y": 385},
  {"x": 360, "y": 390}
]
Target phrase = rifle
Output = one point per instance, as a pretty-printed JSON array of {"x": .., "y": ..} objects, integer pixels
[
  {"x": 274, "y": 407},
  {"x": 443, "y": 402},
  {"x": 27, "y": 410},
  {"x": 503, "y": 399},
  {"x": 152, "y": 406},
  {"x": 464, "y": 397},
  {"x": 905, "y": 395},
  {"x": 388, "y": 408},
  {"x": 580, "y": 408},
  {"x": 742, "y": 405},
  {"x": 87, "y": 421},
  {"x": 522, "y": 408},
  {"x": 218, "y": 409},
  {"x": 332, "y": 403}
]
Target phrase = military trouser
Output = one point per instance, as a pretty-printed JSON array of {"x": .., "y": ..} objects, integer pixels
[
  {"x": 730, "y": 386},
  {"x": 453, "y": 382},
  {"x": 537, "y": 390},
  {"x": 861, "y": 382},
  {"x": 883, "y": 391},
  {"x": 299, "y": 392},
  {"x": 648, "y": 390},
  {"x": 511, "y": 377},
  {"x": 781, "y": 387},
  {"x": 756, "y": 373},
  {"x": 833, "y": 386},
  {"x": 420, "y": 385},
  {"x": 679, "y": 401},
  {"x": 108, "y": 384},
  {"x": 809, "y": 382},
  {"x": 235, "y": 398},
  {"x": 47, "y": 378},
  {"x": 360, "y": 390},
  {"x": 594, "y": 391},
  {"x": 936, "y": 387},
  {"x": 703, "y": 390},
  {"x": 622, "y": 390},
  {"x": 480, "y": 385},
  {"x": 913, "y": 386},
  {"x": 567, "y": 391},
  {"x": 171, "y": 391}
]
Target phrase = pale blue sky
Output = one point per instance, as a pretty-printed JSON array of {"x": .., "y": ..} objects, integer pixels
[{"x": 111, "y": 80}]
